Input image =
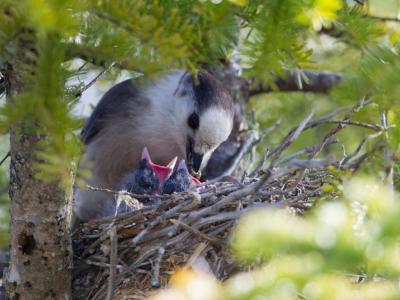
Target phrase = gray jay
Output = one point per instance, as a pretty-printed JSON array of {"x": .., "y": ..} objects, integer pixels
[{"x": 177, "y": 115}]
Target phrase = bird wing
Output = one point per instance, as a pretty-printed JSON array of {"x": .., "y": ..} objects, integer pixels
[{"x": 112, "y": 104}]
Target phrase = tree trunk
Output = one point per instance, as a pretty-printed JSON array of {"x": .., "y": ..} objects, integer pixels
[{"x": 40, "y": 254}]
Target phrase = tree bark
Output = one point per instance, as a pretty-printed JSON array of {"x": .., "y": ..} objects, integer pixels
[{"x": 40, "y": 255}]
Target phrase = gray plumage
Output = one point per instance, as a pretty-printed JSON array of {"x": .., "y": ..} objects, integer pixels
[
  {"x": 143, "y": 180},
  {"x": 179, "y": 181},
  {"x": 153, "y": 114}
]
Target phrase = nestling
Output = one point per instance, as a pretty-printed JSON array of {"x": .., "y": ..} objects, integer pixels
[
  {"x": 148, "y": 177},
  {"x": 180, "y": 180}
]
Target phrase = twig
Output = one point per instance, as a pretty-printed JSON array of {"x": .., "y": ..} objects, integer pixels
[
  {"x": 5, "y": 157},
  {"x": 197, "y": 252},
  {"x": 194, "y": 231},
  {"x": 356, "y": 123},
  {"x": 125, "y": 193},
  {"x": 291, "y": 137},
  {"x": 354, "y": 154},
  {"x": 306, "y": 150},
  {"x": 244, "y": 148},
  {"x": 316, "y": 82},
  {"x": 82, "y": 66},
  {"x": 260, "y": 164},
  {"x": 159, "y": 220},
  {"x": 113, "y": 262},
  {"x": 155, "y": 280},
  {"x": 267, "y": 131},
  {"x": 93, "y": 81}
]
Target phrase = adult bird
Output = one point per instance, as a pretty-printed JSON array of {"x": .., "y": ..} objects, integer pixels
[{"x": 177, "y": 115}]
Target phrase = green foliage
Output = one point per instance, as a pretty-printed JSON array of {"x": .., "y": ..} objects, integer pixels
[
  {"x": 40, "y": 39},
  {"x": 149, "y": 36},
  {"x": 375, "y": 75},
  {"x": 359, "y": 233},
  {"x": 359, "y": 30},
  {"x": 269, "y": 53},
  {"x": 343, "y": 249}
]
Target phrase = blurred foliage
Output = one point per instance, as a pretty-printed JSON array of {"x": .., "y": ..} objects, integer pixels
[
  {"x": 346, "y": 248},
  {"x": 345, "y": 240}
]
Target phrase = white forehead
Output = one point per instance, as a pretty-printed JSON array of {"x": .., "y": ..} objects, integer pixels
[{"x": 215, "y": 126}]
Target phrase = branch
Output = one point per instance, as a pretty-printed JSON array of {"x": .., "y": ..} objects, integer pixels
[
  {"x": 384, "y": 19},
  {"x": 113, "y": 262},
  {"x": 244, "y": 148},
  {"x": 379, "y": 18},
  {"x": 94, "y": 80},
  {"x": 315, "y": 82},
  {"x": 5, "y": 157},
  {"x": 3, "y": 84},
  {"x": 97, "y": 56}
]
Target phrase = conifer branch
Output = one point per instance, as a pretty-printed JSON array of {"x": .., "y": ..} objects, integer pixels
[
  {"x": 98, "y": 57},
  {"x": 321, "y": 82}
]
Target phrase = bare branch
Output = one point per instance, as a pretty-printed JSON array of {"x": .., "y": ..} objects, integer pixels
[
  {"x": 244, "y": 148},
  {"x": 194, "y": 231},
  {"x": 314, "y": 82},
  {"x": 5, "y": 158},
  {"x": 93, "y": 81},
  {"x": 113, "y": 262}
]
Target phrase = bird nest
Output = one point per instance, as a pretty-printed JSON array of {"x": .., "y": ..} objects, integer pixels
[{"x": 134, "y": 253}]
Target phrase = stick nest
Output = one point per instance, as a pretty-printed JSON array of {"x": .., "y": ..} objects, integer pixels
[{"x": 134, "y": 253}]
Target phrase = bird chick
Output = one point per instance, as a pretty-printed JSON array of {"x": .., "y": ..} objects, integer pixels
[
  {"x": 148, "y": 177},
  {"x": 180, "y": 180}
]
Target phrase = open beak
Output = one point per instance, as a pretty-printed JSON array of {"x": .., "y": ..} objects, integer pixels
[
  {"x": 163, "y": 172},
  {"x": 182, "y": 166}
]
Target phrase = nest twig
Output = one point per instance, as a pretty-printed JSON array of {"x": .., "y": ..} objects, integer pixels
[{"x": 133, "y": 253}]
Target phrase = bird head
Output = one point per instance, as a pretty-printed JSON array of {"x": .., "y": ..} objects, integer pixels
[
  {"x": 190, "y": 116},
  {"x": 162, "y": 172},
  {"x": 209, "y": 120}
]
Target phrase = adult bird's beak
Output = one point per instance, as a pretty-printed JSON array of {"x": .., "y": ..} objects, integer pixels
[
  {"x": 194, "y": 159},
  {"x": 195, "y": 162},
  {"x": 163, "y": 172}
]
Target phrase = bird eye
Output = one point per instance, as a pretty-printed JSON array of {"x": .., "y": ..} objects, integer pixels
[{"x": 194, "y": 121}]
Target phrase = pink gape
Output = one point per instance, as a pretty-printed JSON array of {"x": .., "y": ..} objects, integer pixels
[{"x": 164, "y": 172}]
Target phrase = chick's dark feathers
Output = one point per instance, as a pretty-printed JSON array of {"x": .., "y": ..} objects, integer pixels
[{"x": 143, "y": 180}]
